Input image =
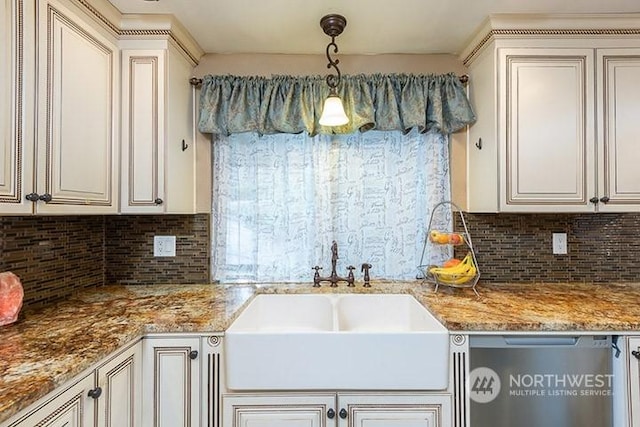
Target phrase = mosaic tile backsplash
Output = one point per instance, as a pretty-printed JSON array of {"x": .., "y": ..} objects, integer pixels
[
  {"x": 518, "y": 248},
  {"x": 129, "y": 249},
  {"x": 53, "y": 256},
  {"x": 58, "y": 256}
]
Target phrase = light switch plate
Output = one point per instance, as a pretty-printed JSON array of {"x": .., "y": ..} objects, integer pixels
[
  {"x": 559, "y": 243},
  {"x": 164, "y": 246}
]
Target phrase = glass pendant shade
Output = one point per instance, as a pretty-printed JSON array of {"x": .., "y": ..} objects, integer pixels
[{"x": 333, "y": 112}]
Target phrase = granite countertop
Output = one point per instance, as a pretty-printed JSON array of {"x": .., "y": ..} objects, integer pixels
[{"x": 48, "y": 347}]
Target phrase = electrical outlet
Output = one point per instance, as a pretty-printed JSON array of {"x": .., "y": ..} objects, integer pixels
[
  {"x": 559, "y": 243},
  {"x": 164, "y": 246}
]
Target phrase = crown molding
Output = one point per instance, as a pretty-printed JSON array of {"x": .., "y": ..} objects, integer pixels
[
  {"x": 549, "y": 25},
  {"x": 137, "y": 26}
]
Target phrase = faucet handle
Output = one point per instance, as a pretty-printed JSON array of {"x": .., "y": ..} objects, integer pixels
[
  {"x": 316, "y": 276},
  {"x": 365, "y": 268},
  {"x": 350, "y": 277}
]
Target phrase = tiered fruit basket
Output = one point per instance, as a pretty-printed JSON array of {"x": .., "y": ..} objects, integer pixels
[{"x": 455, "y": 272}]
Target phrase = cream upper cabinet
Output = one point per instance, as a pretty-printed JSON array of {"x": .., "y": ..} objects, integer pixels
[
  {"x": 16, "y": 101},
  {"x": 158, "y": 151},
  {"x": 547, "y": 141},
  {"x": 556, "y": 117},
  {"x": 77, "y": 113},
  {"x": 143, "y": 131},
  {"x": 59, "y": 140},
  {"x": 619, "y": 129},
  {"x": 60, "y": 111}
]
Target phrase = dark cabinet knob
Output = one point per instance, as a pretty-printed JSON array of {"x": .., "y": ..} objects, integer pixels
[
  {"x": 331, "y": 414},
  {"x": 636, "y": 354},
  {"x": 193, "y": 355},
  {"x": 343, "y": 413},
  {"x": 594, "y": 200},
  {"x": 604, "y": 199},
  {"x": 158, "y": 201},
  {"x": 46, "y": 198},
  {"x": 32, "y": 197},
  {"x": 95, "y": 393}
]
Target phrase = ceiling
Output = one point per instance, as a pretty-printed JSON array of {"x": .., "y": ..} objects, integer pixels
[{"x": 373, "y": 26}]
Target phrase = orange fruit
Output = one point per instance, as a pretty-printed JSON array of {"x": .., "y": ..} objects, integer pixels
[
  {"x": 443, "y": 238},
  {"x": 451, "y": 263},
  {"x": 455, "y": 239}
]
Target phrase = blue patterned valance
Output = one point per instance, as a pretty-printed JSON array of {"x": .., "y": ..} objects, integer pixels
[{"x": 285, "y": 104}]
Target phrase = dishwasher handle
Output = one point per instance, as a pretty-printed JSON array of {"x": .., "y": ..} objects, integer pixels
[{"x": 541, "y": 341}]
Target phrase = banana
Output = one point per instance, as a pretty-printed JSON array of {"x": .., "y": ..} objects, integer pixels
[
  {"x": 464, "y": 265},
  {"x": 457, "y": 274}
]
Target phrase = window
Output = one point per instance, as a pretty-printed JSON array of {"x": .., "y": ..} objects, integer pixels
[{"x": 280, "y": 200}]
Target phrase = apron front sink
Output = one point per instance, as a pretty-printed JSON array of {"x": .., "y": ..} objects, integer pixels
[{"x": 336, "y": 342}]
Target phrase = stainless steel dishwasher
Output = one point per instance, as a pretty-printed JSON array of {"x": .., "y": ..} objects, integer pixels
[{"x": 538, "y": 380}]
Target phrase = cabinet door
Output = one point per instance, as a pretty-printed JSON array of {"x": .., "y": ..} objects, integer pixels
[
  {"x": 77, "y": 112},
  {"x": 171, "y": 382},
  {"x": 181, "y": 158},
  {"x": 547, "y": 131},
  {"x": 70, "y": 408},
  {"x": 619, "y": 127},
  {"x": 482, "y": 146},
  {"x": 16, "y": 96},
  {"x": 633, "y": 372},
  {"x": 143, "y": 124},
  {"x": 394, "y": 410},
  {"x": 121, "y": 382},
  {"x": 278, "y": 410}
]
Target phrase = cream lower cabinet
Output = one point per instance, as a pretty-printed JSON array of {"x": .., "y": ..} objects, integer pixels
[
  {"x": 171, "y": 381},
  {"x": 71, "y": 408},
  {"x": 109, "y": 396},
  {"x": 120, "y": 382},
  {"x": 341, "y": 410},
  {"x": 158, "y": 146},
  {"x": 557, "y": 120},
  {"x": 633, "y": 380}
]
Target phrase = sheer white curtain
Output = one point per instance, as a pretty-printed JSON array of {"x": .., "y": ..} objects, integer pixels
[{"x": 280, "y": 200}]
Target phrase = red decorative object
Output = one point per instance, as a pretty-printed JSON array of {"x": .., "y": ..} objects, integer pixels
[{"x": 11, "y": 295}]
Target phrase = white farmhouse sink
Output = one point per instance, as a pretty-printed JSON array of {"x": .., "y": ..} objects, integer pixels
[{"x": 336, "y": 342}]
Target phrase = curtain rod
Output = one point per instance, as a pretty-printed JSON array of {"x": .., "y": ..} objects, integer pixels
[{"x": 196, "y": 82}]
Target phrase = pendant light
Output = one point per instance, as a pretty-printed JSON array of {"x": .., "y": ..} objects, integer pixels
[{"x": 333, "y": 111}]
